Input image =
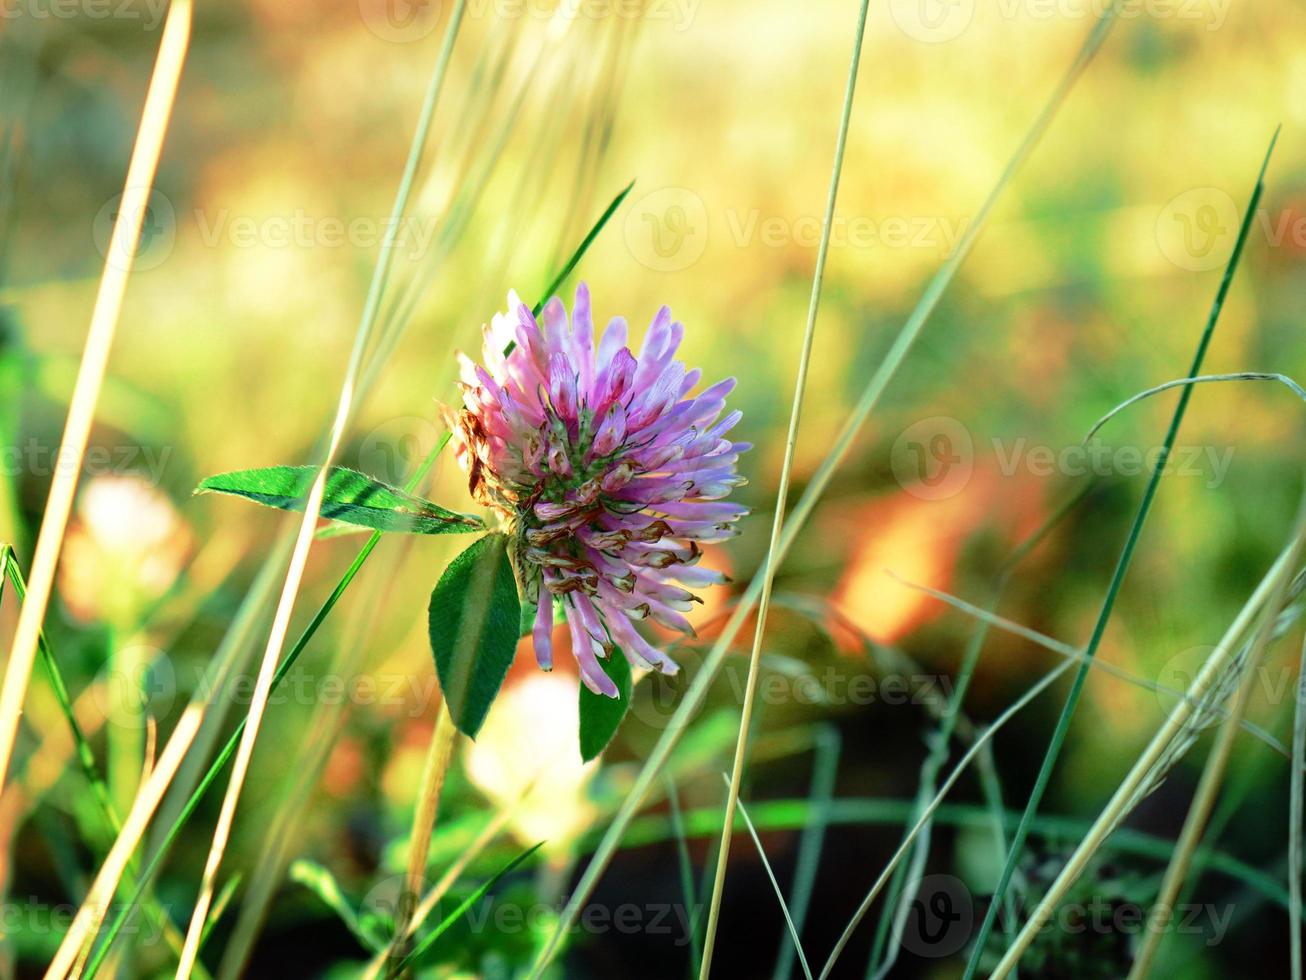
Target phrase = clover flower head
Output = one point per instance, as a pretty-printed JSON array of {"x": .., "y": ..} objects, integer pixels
[{"x": 609, "y": 474}]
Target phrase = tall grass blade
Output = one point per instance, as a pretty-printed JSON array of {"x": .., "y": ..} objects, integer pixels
[
  {"x": 452, "y": 918},
  {"x": 1295, "y": 816},
  {"x": 159, "y": 99},
  {"x": 1118, "y": 576},
  {"x": 1212, "y": 776},
  {"x": 825, "y": 766},
  {"x": 775, "y": 886},
  {"x": 820, "y": 480},
  {"x": 1107, "y": 822},
  {"x": 781, "y": 499}
]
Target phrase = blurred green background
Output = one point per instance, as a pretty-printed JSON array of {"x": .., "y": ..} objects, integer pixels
[{"x": 1092, "y": 281}]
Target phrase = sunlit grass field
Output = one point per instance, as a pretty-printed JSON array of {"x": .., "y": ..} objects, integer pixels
[{"x": 987, "y": 690}]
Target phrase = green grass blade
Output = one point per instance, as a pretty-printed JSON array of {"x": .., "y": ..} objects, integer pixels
[
  {"x": 820, "y": 480},
  {"x": 781, "y": 500},
  {"x": 1295, "y": 808},
  {"x": 794, "y": 814},
  {"x": 686, "y": 869},
  {"x": 825, "y": 766},
  {"x": 449, "y": 920},
  {"x": 581, "y": 249},
  {"x": 775, "y": 885},
  {"x": 1117, "y": 578},
  {"x": 224, "y": 756}
]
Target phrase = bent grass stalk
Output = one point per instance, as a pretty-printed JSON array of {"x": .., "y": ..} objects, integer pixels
[
  {"x": 1282, "y": 379},
  {"x": 1212, "y": 777},
  {"x": 870, "y": 398},
  {"x": 1127, "y": 793},
  {"x": 120, "y": 256},
  {"x": 97, "y": 901},
  {"x": 1117, "y": 578},
  {"x": 942, "y": 741},
  {"x": 781, "y": 495}
]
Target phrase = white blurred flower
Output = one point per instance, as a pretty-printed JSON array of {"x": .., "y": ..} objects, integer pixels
[
  {"x": 125, "y": 548},
  {"x": 529, "y": 745}
]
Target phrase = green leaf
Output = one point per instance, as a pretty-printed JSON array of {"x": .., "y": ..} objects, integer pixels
[
  {"x": 350, "y": 497},
  {"x": 429, "y": 939},
  {"x": 529, "y": 610},
  {"x": 322, "y": 883},
  {"x": 474, "y": 620},
  {"x": 600, "y": 715}
]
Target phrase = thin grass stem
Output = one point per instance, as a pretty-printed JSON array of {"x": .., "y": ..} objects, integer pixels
[
  {"x": 1208, "y": 787},
  {"x": 816, "y": 487},
  {"x": 781, "y": 498},
  {"x": 121, "y": 254},
  {"x": 1062, "y": 728},
  {"x": 1136, "y": 781}
]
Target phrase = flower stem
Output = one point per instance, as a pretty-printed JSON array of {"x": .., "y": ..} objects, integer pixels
[{"x": 419, "y": 843}]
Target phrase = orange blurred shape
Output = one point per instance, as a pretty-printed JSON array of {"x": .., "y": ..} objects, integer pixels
[
  {"x": 344, "y": 768},
  {"x": 919, "y": 541}
]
